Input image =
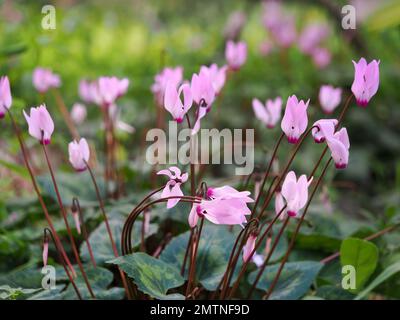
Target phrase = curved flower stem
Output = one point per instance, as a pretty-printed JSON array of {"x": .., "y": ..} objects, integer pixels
[
  {"x": 187, "y": 252},
  {"x": 192, "y": 266},
  {"x": 226, "y": 280},
  {"x": 64, "y": 215},
  {"x": 267, "y": 173},
  {"x": 261, "y": 271},
  {"x": 66, "y": 115},
  {"x": 257, "y": 245},
  {"x": 371, "y": 237},
  {"x": 283, "y": 174},
  {"x": 192, "y": 168},
  {"x": 63, "y": 262},
  {"x": 114, "y": 247},
  {"x": 77, "y": 206},
  {"x": 38, "y": 194},
  {"x": 292, "y": 241}
]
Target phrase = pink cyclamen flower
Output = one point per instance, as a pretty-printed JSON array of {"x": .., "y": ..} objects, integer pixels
[
  {"x": 202, "y": 88},
  {"x": 41, "y": 125},
  {"x": 75, "y": 215},
  {"x": 329, "y": 98},
  {"x": 85, "y": 91},
  {"x": 249, "y": 247},
  {"x": 173, "y": 186},
  {"x": 295, "y": 120},
  {"x": 5, "y": 96},
  {"x": 311, "y": 36},
  {"x": 220, "y": 211},
  {"x": 269, "y": 114},
  {"x": 217, "y": 76},
  {"x": 167, "y": 75},
  {"x": 366, "y": 81},
  {"x": 295, "y": 193},
  {"x": 173, "y": 103},
  {"x": 45, "y": 79},
  {"x": 45, "y": 253},
  {"x": 339, "y": 144},
  {"x": 323, "y": 128},
  {"x": 321, "y": 57},
  {"x": 235, "y": 54},
  {"x": 78, "y": 113},
  {"x": 79, "y": 154},
  {"x": 111, "y": 88},
  {"x": 225, "y": 205}
]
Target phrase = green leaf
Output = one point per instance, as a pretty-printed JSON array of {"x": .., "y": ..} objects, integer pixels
[
  {"x": 8, "y": 293},
  {"x": 216, "y": 243},
  {"x": 386, "y": 274},
  {"x": 294, "y": 281},
  {"x": 333, "y": 293},
  {"x": 152, "y": 276},
  {"x": 362, "y": 255},
  {"x": 73, "y": 185},
  {"x": 101, "y": 244}
]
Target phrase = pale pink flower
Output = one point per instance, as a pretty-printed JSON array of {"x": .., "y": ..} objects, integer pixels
[
  {"x": 249, "y": 247},
  {"x": 167, "y": 75},
  {"x": 339, "y": 144},
  {"x": 45, "y": 79},
  {"x": 79, "y": 154},
  {"x": 202, "y": 89},
  {"x": 323, "y": 128},
  {"x": 45, "y": 253},
  {"x": 295, "y": 193},
  {"x": 41, "y": 125},
  {"x": 111, "y": 88},
  {"x": 75, "y": 215},
  {"x": 311, "y": 36},
  {"x": 173, "y": 103},
  {"x": 173, "y": 186},
  {"x": 85, "y": 91},
  {"x": 217, "y": 76},
  {"x": 321, "y": 57},
  {"x": 224, "y": 205},
  {"x": 329, "y": 98},
  {"x": 5, "y": 96},
  {"x": 78, "y": 113},
  {"x": 366, "y": 81},
  {"x": 235, "y": 54},
  {"x": 269, "y": 114},
  {"x": 295, "y": 120},
  {"x": 258, "y": 259}
]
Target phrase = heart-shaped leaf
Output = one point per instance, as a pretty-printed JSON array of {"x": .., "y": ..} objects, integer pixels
[
  {"x": 152, "y": 276},
  {"x": 362, "y": 255},
  {"x": 216, "y": 243},
  {"x": 294, "y": 281},
  {"x": 101, "y": 244}
]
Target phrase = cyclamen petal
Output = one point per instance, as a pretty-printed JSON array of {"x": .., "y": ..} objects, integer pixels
[
  {"x": 44, "y": 79},
  {"x": 339, "y": 145},
  {"x": 329, "y": 98},
  {"x": 269, "y": 114},
  {"x": 173, "y": 186},
  {"x": 45, "y": 253},
  {"x": 366, "y": 81},
  {"x": 79, "y": 154},
  {"x": 167, "y": 75},
  {"x": 295, "y": 193},
  {"x": 5, "y": 96},
  {"x": 235, "y": 54},
  {"x": 249, "y": 247},
  {"x": 41, "y": 125},
  {"x": 323, "y": 128},
  {"x": 78, "y": 113},
  {"x": 173, "y": 103},
  {"x": 295, "y": 119}
]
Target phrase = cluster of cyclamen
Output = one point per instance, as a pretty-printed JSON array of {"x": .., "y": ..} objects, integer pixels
[
  {"x": 177, "y": 96},
  {"x": 228, "y": 206},
  {"x": 282, "y": 29}
]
